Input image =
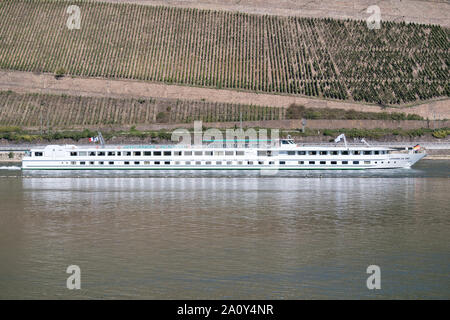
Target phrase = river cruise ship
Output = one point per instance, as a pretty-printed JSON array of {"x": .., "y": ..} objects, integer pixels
[{"x": 287, "y": 155}]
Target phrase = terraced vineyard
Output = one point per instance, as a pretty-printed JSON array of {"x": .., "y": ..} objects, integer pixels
[
  {"x": 62, "y": 111},
  {"x": 396, "y": 64},
  {"x": 32, "y": 110}
]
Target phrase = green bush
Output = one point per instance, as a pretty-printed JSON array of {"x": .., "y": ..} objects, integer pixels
[
  {"x": 162, "y": 117},
  {"x": 441, "y": 134},
  {"x": 295, "y": 111},
  {"x": 60, "y": 72},
  {"x": 4, "y": 129}
]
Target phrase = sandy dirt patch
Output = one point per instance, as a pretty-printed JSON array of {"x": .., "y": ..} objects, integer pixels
[{"x": 420, "y": 11}]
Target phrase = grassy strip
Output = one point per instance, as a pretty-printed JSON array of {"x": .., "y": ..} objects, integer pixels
[
  {"x": 16, "y": 134},
  {"x": 295, "y": 111}
]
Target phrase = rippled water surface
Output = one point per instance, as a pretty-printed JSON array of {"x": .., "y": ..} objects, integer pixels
[{"x": 226, "y": 234}]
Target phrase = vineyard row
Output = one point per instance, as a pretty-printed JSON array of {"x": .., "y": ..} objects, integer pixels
[{"x": 324, "y": 58}]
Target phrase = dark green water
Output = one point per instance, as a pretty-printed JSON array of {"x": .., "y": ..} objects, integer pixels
[{"x": 194, "y": 234}]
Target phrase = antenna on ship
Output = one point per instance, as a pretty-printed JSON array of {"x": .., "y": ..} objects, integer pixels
[
  {"x": 240, "y": 120},
  {"x": 100, "y": 138},
  {"x": 364, "y": 141},
  {"x": 339, "y": 137}
]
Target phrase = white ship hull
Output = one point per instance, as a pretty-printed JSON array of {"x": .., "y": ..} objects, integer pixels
[{"x": 285, "y": 157}]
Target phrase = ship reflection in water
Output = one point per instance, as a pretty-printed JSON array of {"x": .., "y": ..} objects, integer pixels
[{"x": 226, "y": 235}]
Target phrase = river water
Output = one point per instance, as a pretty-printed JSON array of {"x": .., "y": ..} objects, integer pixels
[{"x": 225, "y": 234}]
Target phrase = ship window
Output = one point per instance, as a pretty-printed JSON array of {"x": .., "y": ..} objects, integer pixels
[
  {"x": 366, "y": 162},
  {"x": 126, "y": 162},
  {"x": 323, "y": 153},
  {"x": 92, "y": 153},
  {"x": 344, "y": 162},
  {"x": 356, "y": 152},
  {"x": 271, "y": 162},
  {"x": 301, "y": 153},
  {"x": 127, "y": 153},
  {"x": 218, "y": 162},
  {"x": 111, "y": 162},
  {"x": 218, "y": 153},
  {"x": 250, "y": 162},
  {"x": 82, "y": 162},
  {"x": 136, "y": 162},
  {"x": 239, "y": 162},
  {"x": 376, "y": 152},
  {"x": 323, "y": 162},
  {"x": 73, "y": 154},
  {"x": 82, "y": 153},
  {"x": 188, "y": 153},
  {"x": 208, "y": 153},
  {"x": 111, "y": 153},
  {"x": 355, "y": 162},
  {"x": 239, "y": 153},
  {"x": 166, "y": 162},
  {"x": 313, "y": 153},
  {"x": 119, "y": 153},
  {"x": 333, "y": 162},
  {"x": 167, "y": 153},
  {"x": 312, "y": 162},
  {"x": 157, "y": 153},
  {"x": 38, "y": 154},
  {"x": 301, "y": 162},
  {"x": 229, "y": 162},
  {"x": 334, "y": 153},
  {"x": 262, "y": 153},
  {"x": 345, "y": 153},
  {"x": 177, "y": 153},
  {"x": 198, "y": 153},
  {"x": 291, "y": 153},
  {"x": 137, "y": 153},
  {"x": 187, "y": 162},
  {"x": 198, "y": 162},
  {"x": 146, "y": 162},
  {"x": 367, "y": 152},
  {"x": 73, "y": 162},
  {"x": 177, "y": 162},
  {"x": 100, "y": 162},
  {"x": 282, "y": 162},
  {"x": 208, "y": 162},
  {"x": 229, "y": 153},
  {"x": 156, "y": 162},
  {"x": 101, "y": 153},
  {"x": 147, "y": 153}
]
